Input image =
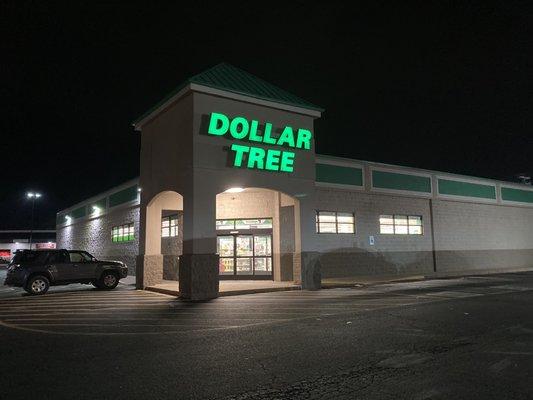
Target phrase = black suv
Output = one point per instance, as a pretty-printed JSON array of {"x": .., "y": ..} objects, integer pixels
[{"x": 36, "y": 270}]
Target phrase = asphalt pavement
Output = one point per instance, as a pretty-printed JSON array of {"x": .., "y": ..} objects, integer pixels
[{"x": 467, "y": 338}]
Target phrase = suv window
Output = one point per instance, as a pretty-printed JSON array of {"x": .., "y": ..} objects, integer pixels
[
  {"x": 30, "y": 257},
  {"x": 57, "y": 257},
  {"x": 80, "y": 256}
]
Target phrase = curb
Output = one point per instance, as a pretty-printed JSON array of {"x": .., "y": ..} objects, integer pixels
[{"x": 176, "y": 293}]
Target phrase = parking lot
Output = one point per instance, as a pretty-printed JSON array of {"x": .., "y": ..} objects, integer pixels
[
  {"x": 81, "y": 309},
  {"x": 456, "y": 338}
]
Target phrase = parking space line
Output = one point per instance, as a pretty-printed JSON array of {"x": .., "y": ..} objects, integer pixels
[{"x": 130, "y": 312}]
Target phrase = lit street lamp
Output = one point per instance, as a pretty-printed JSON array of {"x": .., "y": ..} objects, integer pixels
[{"x": 32, "y": 196}]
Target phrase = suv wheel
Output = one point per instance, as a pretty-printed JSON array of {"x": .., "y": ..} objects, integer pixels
[
  {"x": 108, "y": 280},
  {"x": 37, "y": 285}
]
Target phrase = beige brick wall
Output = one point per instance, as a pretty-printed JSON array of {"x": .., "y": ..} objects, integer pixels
[
  {"x": 246, "y": 204},
  {"x": 468, "y": 236},
  {"x": 94, "y": 235},
  {"x": 345, "y": 255},
  {"x": 473, "y": 226},
  {"x": 473, "y": 236}
]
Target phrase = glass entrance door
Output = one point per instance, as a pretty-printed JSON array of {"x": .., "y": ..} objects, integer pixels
[
  {"x": 226, "y": 251},
  {"x": 263, "y": 254},
  {"x": 244, "y": 245},
  {"x": 245, "y": 256}
]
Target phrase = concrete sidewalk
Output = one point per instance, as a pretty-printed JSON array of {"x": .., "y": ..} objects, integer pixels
[
  {"x": 230, "y": 288},
  {"x": 367, "y": 280}
]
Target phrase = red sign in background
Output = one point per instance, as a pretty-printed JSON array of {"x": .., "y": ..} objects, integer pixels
[{"x": 49, "y": 245}]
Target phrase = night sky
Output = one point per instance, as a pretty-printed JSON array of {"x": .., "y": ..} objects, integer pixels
[{"x": 437, "y": 85}]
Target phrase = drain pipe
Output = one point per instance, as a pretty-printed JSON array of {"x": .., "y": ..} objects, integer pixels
[{"x": 432, "y": 222}]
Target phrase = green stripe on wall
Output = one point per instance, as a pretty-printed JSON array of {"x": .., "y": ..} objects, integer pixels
[
  {"x": 101, "y": 204},
  {"x": 466, "y": 189},
  {"x": 124, "y": 196},
  {"x": 396, "y": 181},
  {"x": 78, "y": 212},
  {"x": 339, "y": 175},
  {"x": 522, "y": 196}
]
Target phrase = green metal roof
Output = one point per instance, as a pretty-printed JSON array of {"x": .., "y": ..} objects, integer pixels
[{"x": 232, "y": 79}]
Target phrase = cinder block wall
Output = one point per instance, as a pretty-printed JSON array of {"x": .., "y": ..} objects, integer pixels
[
  {"x": 94, "y": 235},
  {"x": 346, "y": 255},
  {"x": 469, "y": 236},
  {"x": 473, "y": 236}
]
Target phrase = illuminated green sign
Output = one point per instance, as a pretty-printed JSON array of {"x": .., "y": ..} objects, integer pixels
[{"x": 256, "y": 157}]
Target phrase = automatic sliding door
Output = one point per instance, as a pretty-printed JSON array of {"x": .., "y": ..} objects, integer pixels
[
  {"x": 262, "y": 254},
  {"x": 226, "y": 250},
  {"x": 244, "y": 252},
  {"x": 245, "y": 255}
]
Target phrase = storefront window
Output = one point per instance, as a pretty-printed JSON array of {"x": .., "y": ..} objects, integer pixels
[
  {"x": 240, "y": 224},
  {"x": 169, "y": 226},
  {"x": 123, "y": 233},
  {"x": 225, "y": 224},
  {"x": 265, "y": 223},
  {"x": 400, "y": 225},
  {"x": 335, "y": 222}
]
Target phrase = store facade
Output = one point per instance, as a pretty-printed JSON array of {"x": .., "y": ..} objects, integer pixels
[{"x": 230, "y": 187}]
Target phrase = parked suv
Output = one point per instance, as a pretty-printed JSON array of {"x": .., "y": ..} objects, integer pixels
[{"x": 36, "y": 270}]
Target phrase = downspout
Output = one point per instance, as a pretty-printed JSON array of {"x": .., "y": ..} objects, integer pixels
[{"x": 432, "y": 223}]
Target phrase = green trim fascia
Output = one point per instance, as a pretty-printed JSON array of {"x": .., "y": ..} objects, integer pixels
[
  {"x": 101, "y": 204},
  {"x": 337, "y": 174},
  {"x": 518, "y": 195},
  {"x": 79, "y": 212},
  {"x": 398, "y": 181},
  {"x": 123, "y": 196},
  {"x": 466, "y": 189}
]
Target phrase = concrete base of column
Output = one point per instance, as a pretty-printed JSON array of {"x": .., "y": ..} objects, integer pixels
[
  {"x": 311, "y": 271},
  {"x": 171, "y": 267},
  {"x": 286, "y": 267},
  {"x": 149, "y": 270},
  {"x": 198, "y": 276}
]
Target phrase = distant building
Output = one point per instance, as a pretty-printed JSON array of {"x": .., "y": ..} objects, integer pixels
[{"x": 13, "y": 240}]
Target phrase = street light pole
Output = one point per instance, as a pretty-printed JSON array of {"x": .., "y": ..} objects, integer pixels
[{"x": 32, "y": 196}]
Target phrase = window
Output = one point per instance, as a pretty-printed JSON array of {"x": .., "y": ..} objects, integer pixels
[
  {"x": 80, "y": 256},
  {"x": 58, "y": 257},
  {"x": 30, "y": 257},
  {"x": 225, "y": 224},
  {"x": 169, "y": 226},
  {"x": 400, "y": 225},
  {"x": 123, "y": 233},
  {"x": 335, "y": 222},
  {"x": 244, "y": 224}
]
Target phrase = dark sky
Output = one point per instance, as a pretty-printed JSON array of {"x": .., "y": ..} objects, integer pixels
[{"x": 437, "y": 85}]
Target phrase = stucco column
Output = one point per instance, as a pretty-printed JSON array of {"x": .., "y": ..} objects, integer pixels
[
  {"x": 276, "y": 236},
  {"x": 310, "y": 271},
  {"x": 149, "y": 263},
  {"x": 199, "y": 264}
]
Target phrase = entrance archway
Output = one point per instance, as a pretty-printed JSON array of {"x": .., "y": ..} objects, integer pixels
[
  {"x": 258, "y": 235},
  {"x": 163, "y": 237}
]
